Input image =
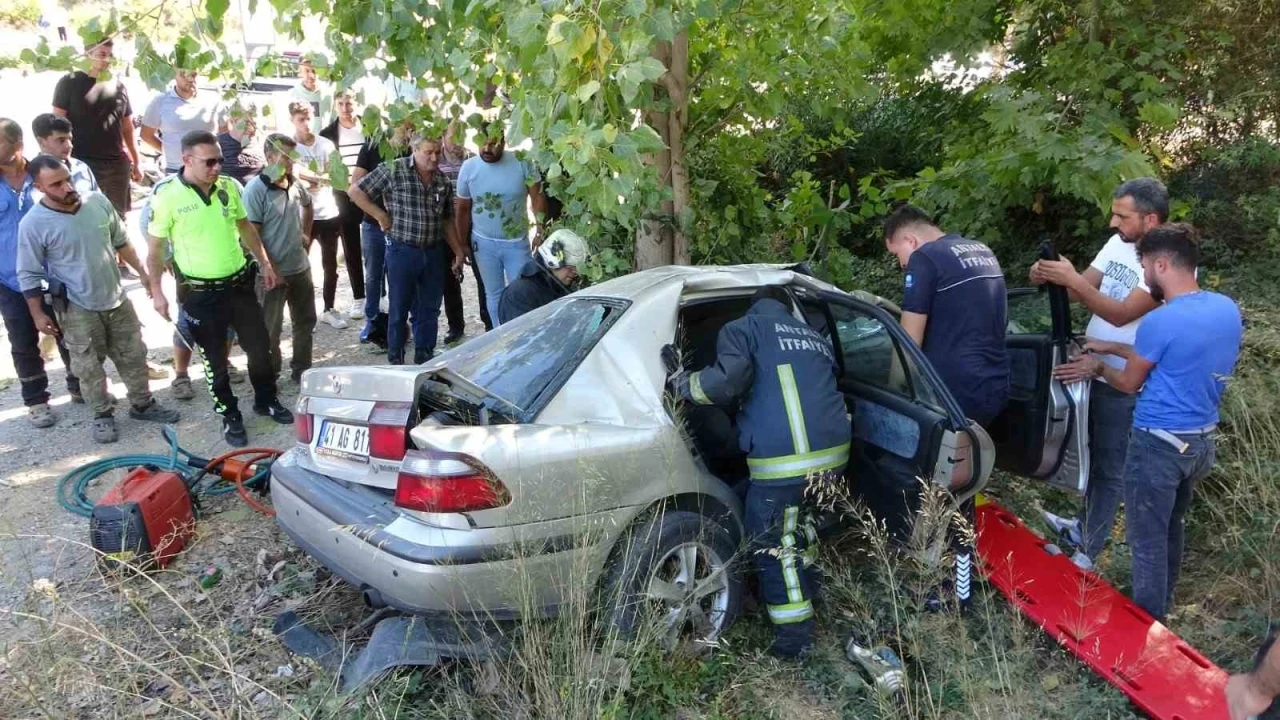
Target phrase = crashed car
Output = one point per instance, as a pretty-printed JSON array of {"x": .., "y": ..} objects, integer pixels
[{"x": 541, "y": 461}]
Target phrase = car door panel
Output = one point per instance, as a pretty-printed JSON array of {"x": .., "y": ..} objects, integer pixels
[
  {"x": 905, "y": 425},
  {"x": 886, "y": 428},
  {"x": 1043, "y": 431},
  {"x": 891, "y": 386}
]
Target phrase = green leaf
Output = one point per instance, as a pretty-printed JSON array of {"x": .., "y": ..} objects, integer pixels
[
  {"x": 663, "y": 24},
  {"x": 556, "y": 33},
  {"x": 1162, "y": 116},
  {"x": 647, "y": 140},
  {"x": 588, "y": 91},
  {"x": 633, "y": 75},
  {"x": 217, "y": 8},
  {"x": 523, "y": 28},
  {"x": 651, "y": 68}
]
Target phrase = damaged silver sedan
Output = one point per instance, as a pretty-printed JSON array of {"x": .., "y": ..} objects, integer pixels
[{"x": 540, "y": 466}]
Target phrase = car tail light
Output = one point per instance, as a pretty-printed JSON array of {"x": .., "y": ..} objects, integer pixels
[
  {"x": 303, "y": 421},
  {"x": 447, "y": 483},
  {"x": 388, "y": 430}
]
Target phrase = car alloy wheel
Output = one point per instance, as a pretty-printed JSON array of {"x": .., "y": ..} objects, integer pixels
[
  {"x": 690, "y": 589},
  {"x": 673, "y": 578}
]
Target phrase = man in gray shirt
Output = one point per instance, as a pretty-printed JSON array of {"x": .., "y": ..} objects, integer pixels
[
  {"x": 75, "y": 242},
  {"x": 178, "y": 111},
  {"x": 280, "y": 207}
]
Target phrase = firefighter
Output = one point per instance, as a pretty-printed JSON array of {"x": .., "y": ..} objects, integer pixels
[
  {"x": 548, "y": 276},
  {"x": 794, "y": 427}
]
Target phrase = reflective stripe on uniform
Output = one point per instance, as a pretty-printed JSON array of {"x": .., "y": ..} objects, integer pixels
[
  {"x": 790, "y": 613},
  {"x": 810, "y": 553},
  {"x": 799, "y": 465},
  {"x": 795, "y": 415},
  {"x": 787, "y": 555},
  {"x": 695, "y": 390}
]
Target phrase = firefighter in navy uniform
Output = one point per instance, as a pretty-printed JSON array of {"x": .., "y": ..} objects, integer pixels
[{"x": 794, "y": 426}]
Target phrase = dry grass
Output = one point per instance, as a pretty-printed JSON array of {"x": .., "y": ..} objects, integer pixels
[{"x": 156, "y": 646}]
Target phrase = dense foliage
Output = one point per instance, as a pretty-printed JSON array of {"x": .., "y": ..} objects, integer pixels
[{"x": 793, "y": 125}]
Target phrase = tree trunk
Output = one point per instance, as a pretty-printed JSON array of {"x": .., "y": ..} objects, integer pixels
[
  {"x": 677, "y": 81},
  {"x": 655, "y": 245}
]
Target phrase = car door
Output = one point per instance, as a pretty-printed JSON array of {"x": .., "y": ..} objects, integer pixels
[
  {"x": 1043, "y": 432},
  {"x": 906, "y": 425}
]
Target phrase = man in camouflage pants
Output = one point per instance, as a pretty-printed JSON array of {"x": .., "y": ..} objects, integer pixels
[{"x": 72, "y": 243}]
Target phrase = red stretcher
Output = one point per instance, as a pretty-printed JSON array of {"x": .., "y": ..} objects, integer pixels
[{"x": 1160, "y": 673}]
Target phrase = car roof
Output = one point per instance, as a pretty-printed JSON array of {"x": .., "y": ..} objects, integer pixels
[
  {"x": 621, "y": 381},
  {"x": 636, "y": 287}
]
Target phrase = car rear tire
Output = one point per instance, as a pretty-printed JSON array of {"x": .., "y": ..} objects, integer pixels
[{"x": 673, "y": 577}]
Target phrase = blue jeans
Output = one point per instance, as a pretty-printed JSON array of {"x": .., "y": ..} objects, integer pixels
[
  {"x": 373, "y": 246},
  {"x": 500, "y": 262},
  {"x": 1159, "y": 483},
  {"x": 24, "y": 344},
  {"x": 415, "y": 286},
  {"x": 1110, "y": 419}
]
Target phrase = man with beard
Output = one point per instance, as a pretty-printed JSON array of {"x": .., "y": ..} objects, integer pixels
[
  {"x": 492, "y": 192},
  {"x": 242, "y": 159},
  {"x": 74, "y": 242},
  {"x": 1181, "y": 359},
  {"x": 17, "y": 192},
  {"x": 1113, "y": 290}
]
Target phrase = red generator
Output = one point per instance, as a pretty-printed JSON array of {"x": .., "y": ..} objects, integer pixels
[{"x": 145, "y": 520}]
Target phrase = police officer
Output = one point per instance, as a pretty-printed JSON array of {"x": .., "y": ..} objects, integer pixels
[
  {"x": 794, "y": 426},
  {"x": 201, "y": 214},
  {"x": 547, "y": 277}
]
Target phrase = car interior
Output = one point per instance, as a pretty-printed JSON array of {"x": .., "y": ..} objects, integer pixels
[
  {"x": 897, "y": 421},
  {"x": 893, "y": 432}
]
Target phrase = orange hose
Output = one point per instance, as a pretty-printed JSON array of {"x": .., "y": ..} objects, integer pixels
[{"x": 240, "y": 473}]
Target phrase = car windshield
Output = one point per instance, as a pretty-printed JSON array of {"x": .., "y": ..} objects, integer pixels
[{"x": 518, "y": 360}]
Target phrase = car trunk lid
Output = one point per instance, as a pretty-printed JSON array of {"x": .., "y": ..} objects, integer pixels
[{"x": 356, "y": 421}]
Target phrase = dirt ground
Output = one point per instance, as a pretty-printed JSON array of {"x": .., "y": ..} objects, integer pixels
[{"x": 37, "y": 537}]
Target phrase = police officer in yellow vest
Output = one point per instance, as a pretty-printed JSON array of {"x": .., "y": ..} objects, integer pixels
[{"x": 200, "y": 214}]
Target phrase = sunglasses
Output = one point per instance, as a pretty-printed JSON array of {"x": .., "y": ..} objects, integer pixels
[{"x": 212, "y": 162}]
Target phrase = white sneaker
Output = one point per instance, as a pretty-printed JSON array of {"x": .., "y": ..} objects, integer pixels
[
  {"x": 357, "y": 310},
  {"x": 1082, "y": 561},
  {"x": 1067, "y": 529},
  {"x": 333, "y": 319}
]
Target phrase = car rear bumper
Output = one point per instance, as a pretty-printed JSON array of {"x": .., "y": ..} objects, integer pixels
[{"x": 491, "y": 573}]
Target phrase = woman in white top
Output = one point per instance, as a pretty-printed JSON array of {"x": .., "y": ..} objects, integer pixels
[
  {"x": 312, "y": 167},
  {"x": 346, "y": 133}
]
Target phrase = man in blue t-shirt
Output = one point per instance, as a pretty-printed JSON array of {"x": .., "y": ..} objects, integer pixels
[
  {"x": 492, "y": 192},
  {"x": 1181, "y": 359},
  {"x": 954, "y": 306}
]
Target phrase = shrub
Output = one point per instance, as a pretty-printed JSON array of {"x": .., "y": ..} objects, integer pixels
[{"x": 20, "y": 14}]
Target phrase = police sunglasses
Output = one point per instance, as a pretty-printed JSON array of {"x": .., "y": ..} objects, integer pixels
[{"x": 211, "y": 163}]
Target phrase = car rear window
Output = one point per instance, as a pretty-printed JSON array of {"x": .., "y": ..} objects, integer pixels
[{"x": 522, "y": 359}]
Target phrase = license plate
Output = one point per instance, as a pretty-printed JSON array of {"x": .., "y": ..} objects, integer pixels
[{"x": 344, "y": 441}]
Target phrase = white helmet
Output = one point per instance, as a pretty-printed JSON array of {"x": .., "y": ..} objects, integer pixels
[{"x": 563, "y": 248}]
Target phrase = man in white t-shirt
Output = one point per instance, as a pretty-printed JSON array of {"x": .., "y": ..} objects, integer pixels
[
  {"x": 312, "y": 165},
  {"x": 1114, "y": 291},
  {"x": 311, "y": 92}
]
